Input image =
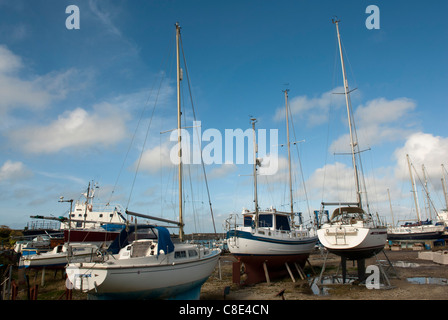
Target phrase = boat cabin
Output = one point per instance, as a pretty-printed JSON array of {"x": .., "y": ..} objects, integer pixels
[
  {"x": 268, "y": 219},
  {"x": 349, "y": 215}
]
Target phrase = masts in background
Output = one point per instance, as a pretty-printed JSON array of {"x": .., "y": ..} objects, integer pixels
[
  {"x": 413, "y": 189},
  {"x": 444, "y": 187},
  {"x": 391, "y": 211}
]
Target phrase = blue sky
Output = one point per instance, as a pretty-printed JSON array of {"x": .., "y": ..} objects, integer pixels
[{"x": 70, "y": 100}]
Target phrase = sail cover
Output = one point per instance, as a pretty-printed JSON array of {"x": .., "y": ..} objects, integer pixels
[
  {"x": 126, "y": 236},
  {"x": 164, "y": 240}
]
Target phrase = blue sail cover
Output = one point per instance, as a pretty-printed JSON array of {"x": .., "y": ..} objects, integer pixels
[
  {"x": 122, "y": 240},
  {"x": 164, "y": 240}
]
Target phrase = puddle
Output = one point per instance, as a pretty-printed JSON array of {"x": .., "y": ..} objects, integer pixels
[
  {"x": 319, "y": 288},
  {"x": 404, "y": 264},
  {"x": 428, "y": 280}
]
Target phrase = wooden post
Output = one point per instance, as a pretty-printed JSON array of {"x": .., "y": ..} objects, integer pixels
[
  {"x": 265, "y": 267},
  {"x": 289, "y": 271},
  {"x": 300, "y": 271},
  {"x": 42, "y": 281}
]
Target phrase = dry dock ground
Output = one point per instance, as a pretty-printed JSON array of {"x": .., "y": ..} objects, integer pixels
[
  {"x": 219, "y": 286},
  {"x": 406, "y": 267}
]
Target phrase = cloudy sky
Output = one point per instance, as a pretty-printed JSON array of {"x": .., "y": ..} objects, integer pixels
[{"x": 76, "y": 104}]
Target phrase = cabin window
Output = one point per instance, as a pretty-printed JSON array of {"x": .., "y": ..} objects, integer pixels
[
  {"x": 144, "y": 233},
  {"x": 192, "y": 253},
  {"x": 282, "y": 223},
  {"x": 111, "y": 215},
  {"x": 101, "y": 215},
  {"x": 265, "y": 220},
  {"x": 180, "y": 254},
  {"x": 247, "y": 221}
]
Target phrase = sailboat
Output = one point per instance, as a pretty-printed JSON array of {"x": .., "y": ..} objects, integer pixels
[
  {"x": 419, "y": 230},
  {"x": 351, "y": 232},
  {"x": 268, "y": 240},
  {"x": 59, "y": 256},
  {"x": 143, "y": 262}
]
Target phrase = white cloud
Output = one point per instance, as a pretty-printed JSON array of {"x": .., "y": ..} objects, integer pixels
[
  {"x": 13, "y": 171},
  {"x": 423, "y": 149},
  {"x": 104, "y": 17},
  {"x": 313, "y": 110},
  {"x": 9, "y": 62},
  {"x": 33, "y": 92},
  {"x": 155, "y": 159},
  {"x": 378, "y": 121},
  {"x": 222, "y": 171},
  {"x": 77, "y": 128}
]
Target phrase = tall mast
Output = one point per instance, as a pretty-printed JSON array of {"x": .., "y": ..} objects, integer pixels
[
  {"x": 413, "y": 189},
  {"x": 428, "y": 198},
  {"x": 179, "y": 136},
  {"x": 444, "y": 187},
  {"x": 348, "y": 104},
  {"x": 255, "y": 171},
  {"x": 391, "y": 211},
  {"x": 289, "y": 153}
]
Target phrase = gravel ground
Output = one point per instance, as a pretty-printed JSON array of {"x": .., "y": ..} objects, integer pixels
[{"x": 406, "y": 264}]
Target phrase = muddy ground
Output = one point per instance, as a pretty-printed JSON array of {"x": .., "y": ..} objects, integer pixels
[{"x": 406, "y": 264}]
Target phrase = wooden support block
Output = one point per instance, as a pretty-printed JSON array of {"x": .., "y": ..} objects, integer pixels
[
  {"x": 290, "y": 273},
  {"x": 266, "y": 273}
]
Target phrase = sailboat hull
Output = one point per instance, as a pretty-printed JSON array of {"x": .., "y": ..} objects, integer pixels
[
  {"x": 353, "y": 242},
  {"x": 424, "y": 232},
  {"x": 167, "y": 280}
]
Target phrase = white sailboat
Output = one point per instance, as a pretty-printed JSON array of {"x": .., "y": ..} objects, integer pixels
[
  {"x": 146, "y": 264},
  {"x": 59, "y": 256},
  {"x": 351, "y": 232},
  {"x": 268, "y": 240},
  {"x": 419, "y": 230}
]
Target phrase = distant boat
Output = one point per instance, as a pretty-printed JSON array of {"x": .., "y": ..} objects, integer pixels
[
  {"x": 269, "y": 240},
  {"x": 143, "y": 262},
  {"x": 88, "y": 221},
  {"x": 351, "y": 232},
  {"x": 59, "y": 256},
  {"x": 419, "y": 230}
]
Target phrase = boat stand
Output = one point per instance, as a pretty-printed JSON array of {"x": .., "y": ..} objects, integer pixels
[{"x": 386, "y": 270}]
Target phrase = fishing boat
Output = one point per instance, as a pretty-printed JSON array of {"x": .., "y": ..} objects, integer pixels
[
  {"x": 89, "y": 221},
  {"x": 269, "y": 240},
  {"x": 143, "y": 262},
  {"x": 419, "y": 229},
  {"x": 351, "y": 232}
]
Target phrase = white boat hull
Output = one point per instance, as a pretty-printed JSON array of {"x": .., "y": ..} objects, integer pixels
[
  {"x": 157, "y": 278},
  {"x": 352, "y": 241},
  {"x": 424, "y": 232},
  {"x": 54, "y": 259},
  {"x": 245, "y": 241}
]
